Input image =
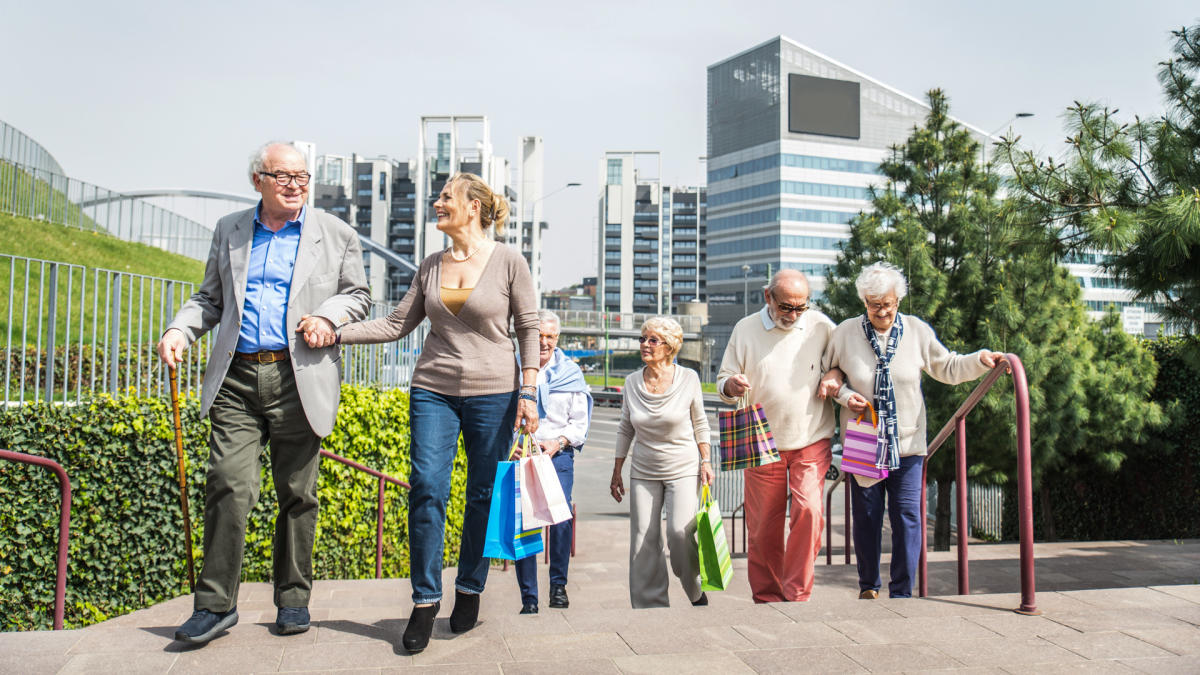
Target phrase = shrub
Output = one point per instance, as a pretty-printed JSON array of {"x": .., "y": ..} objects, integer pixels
[{"x": 126, "y": 549}]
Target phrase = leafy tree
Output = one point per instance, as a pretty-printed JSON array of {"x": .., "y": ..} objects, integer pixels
[
  {"x": 1129, "y": 189},
  {"x": 982, "y": 278}
]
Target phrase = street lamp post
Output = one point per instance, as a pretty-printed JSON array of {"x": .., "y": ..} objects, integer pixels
[
  {"x": 1014, "y": 118},
  {"x": 745, "y": 289}
]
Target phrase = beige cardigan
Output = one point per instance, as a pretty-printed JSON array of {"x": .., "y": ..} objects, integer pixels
[
  {"x": 919, "y": 351},
  {"x": 664, "y": 430},
  {"x": 784, "y": 369},
  {"x": 468, "y": 354}
]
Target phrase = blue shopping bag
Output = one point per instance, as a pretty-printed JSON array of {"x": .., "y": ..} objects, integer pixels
[{"x": 505, "y": 540}]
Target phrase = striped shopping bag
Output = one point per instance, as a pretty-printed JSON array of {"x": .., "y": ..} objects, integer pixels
[
  {"x": 716, "y": 566},
  {"x": 746, "y": 439},
  {"x": 859, "y": 447}
]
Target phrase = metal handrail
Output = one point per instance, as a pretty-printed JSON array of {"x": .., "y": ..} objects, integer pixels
[
  {"x": 1008, "y": 364},
  {"x": 64, "y": 525},
  {"x": 383, "y": 478}
]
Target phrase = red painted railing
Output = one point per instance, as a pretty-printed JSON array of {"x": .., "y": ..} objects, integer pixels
[
  {"x": 64, "y": 525},
  {"x": 383, "y": 479},
  {"x": 957, "y": 425}
]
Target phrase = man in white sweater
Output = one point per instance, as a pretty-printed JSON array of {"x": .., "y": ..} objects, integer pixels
[{"x": 774, "y": 358}]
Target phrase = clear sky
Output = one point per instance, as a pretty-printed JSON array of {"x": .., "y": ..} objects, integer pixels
[{"x": 134, "y": 95}]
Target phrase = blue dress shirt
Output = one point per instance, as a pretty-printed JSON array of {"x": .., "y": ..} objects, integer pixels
[{"x": 268, "y": 285}]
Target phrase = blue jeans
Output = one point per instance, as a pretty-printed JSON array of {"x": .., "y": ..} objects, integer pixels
[
  {"x": 560, "y": 538},
  {"x": 435, "y": 421},
  {"x": 902, "y": 488}
]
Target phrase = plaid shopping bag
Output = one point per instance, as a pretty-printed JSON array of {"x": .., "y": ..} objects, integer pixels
[
  {"x": 746, "y": 439},
  {"x": 859, "y": 440}
]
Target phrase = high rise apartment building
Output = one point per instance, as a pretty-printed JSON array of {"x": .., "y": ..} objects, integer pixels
[
  {"x": 651, "y": 237},
  {"x": 794, "y": 140}
]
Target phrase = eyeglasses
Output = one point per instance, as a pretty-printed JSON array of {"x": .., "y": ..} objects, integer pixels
[
  {"x": 785, "y": 308},
  {"x": 283, "y": 179},
  {"x": 547, "y": 336},
  {"x": 882, "y": 306},
  {"x": 652, "y": 341}
]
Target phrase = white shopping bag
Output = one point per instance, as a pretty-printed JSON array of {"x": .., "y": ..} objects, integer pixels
[{"x": 542, "y": 500}]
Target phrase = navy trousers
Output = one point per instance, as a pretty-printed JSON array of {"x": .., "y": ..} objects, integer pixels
[
  {"x": 902, "y": 488},
  {"x": 559, "y": 544}
]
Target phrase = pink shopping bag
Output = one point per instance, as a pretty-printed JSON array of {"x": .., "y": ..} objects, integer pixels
[
  {"x": 859, "y": 440},
  {"x": 542, "y": 500}
]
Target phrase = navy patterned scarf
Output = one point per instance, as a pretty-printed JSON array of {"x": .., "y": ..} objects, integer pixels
[{"x": 887, "y": 445}]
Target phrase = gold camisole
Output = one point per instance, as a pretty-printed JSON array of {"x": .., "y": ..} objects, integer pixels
[{"x": 455, "y": 298}]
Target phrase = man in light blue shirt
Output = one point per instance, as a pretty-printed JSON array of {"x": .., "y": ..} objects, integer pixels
[{"x": 286, "y": 277}]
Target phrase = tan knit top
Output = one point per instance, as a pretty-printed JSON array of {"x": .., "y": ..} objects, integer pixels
[{"x": 468, "y": 354}]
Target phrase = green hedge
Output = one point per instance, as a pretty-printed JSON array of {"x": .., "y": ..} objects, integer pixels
[
  {"x": 126, "y": 547},
  {"x": 1155, "y": 494}
]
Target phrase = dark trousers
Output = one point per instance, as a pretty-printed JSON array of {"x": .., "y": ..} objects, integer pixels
[
  {"x": 258, "y": 405},
  {"x": 436, "y": 420},
  {"x": 559, "y": 544},
  {"x": 902, "y": 489}
]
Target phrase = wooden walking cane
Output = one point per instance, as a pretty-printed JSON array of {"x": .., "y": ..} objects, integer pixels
[{"x": 183, "y": 494}]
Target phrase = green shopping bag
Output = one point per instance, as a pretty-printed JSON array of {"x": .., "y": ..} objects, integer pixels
[{"x": 716, "y": 567}]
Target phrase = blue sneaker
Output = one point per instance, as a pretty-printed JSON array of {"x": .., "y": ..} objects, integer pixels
[
  {"x": 206, "y": 625},
  {"x": 291, "y": 620}
]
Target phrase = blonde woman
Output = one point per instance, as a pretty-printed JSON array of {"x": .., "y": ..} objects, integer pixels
[
  {"x": 664, "y": 427},
  {"x": 466, "y": 380}
]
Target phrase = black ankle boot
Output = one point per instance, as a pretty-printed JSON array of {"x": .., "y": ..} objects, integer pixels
[
  {"x": 465, "y": 613},
  {"x": 420, "y": 627}
]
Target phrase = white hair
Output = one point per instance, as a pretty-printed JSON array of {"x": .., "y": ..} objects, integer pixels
[
  {"x": 258, "y": 159},
  {"x": 874, "y": 281},
  {"x": 546, "y": 316}
]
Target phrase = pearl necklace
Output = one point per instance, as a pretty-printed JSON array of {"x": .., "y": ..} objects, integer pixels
[{"x": 450, "y": 250}]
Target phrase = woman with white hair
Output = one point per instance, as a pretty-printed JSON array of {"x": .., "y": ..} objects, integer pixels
[
  {"x": 664, "y": 426},
  {"x": 883, "y": 353}
]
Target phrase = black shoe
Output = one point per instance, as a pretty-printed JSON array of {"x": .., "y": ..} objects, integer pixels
[
  {"x": 291, "y": 620},
  {"x": 205, "y": 625},
  {"x": 529, "y": 609},
  {"x": 465, "y": 612},
  {"x": 420, "y": 627},
  {"x": 558, "y": 597},
  {"x": 701, "y": 601}
]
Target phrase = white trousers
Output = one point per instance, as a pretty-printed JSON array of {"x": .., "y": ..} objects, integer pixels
[{"x": 647, "y": 563}]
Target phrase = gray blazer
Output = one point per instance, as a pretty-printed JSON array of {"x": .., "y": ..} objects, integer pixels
[{"x": 328, "y": 281}]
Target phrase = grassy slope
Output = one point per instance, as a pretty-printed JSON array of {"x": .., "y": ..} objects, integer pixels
[{"x": 46, "y": 241}]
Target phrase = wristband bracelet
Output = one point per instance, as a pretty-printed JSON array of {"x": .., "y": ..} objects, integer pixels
[
  {"x": 527, "y": 397},
  {"x": 530, "y": 387}
]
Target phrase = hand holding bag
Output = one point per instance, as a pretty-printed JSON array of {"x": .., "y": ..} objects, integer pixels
[
  {"x": 505, "y": 538},
  {"x": 859, "y": 447},
  {"x": 716, "y": 566},
  {"x": 543, "y": 502},
  {"x": 746, "y": 439}
]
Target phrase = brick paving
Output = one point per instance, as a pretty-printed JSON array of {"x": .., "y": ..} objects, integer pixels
[{"x": 1128, "y": 606}]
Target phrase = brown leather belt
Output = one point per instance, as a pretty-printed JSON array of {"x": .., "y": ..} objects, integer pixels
[{"x": 264, "y": 356}]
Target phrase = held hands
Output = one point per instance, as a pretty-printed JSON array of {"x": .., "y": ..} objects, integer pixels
[
  {"x": 171, "y": 347},
  {"x": 706, "y": 473},
  {"x": 318, "y": 331},
  {"x": 736, "y": 386},
  {"x": 527, "y": 416},
  {"x": 831, "y": 382},
  {"x": 858, "y": 403}
]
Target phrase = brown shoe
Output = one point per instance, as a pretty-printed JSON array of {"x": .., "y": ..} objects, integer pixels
[{"x": 868, "y": 595}]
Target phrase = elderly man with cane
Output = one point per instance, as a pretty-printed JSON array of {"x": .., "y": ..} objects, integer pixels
[
  {"x": 280, "y": 279},
  {"x": 564, "y": 403}
]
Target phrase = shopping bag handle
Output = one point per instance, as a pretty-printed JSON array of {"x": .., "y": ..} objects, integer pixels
[
  {"x": 874, "y": 417},
  {"x": 704, "y": 497},
  {"x": 520, "y": 446}
]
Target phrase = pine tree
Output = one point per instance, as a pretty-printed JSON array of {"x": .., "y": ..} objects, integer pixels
[{"x": 984, "y": 279}]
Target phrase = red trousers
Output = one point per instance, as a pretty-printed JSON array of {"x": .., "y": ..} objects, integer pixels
[{"x": 780, "y": 568}]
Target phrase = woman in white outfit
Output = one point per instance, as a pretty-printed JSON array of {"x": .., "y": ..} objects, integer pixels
[{"x": 664, "y": 425}]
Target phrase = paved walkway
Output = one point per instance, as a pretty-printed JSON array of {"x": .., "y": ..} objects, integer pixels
[{"x": 1107, "y": 607}]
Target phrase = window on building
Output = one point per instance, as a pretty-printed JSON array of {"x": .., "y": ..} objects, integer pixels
[
  {"x": 382, "y": 186},
  {"x": 614, "y": 172}
]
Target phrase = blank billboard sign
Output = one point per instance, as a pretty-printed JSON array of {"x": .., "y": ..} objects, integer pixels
[{"x": 819, "y": 105}]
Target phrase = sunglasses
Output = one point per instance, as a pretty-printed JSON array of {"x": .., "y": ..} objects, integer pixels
[
  {"x": 652, "y": 341},
  {"x": 785, "y": 308}
]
